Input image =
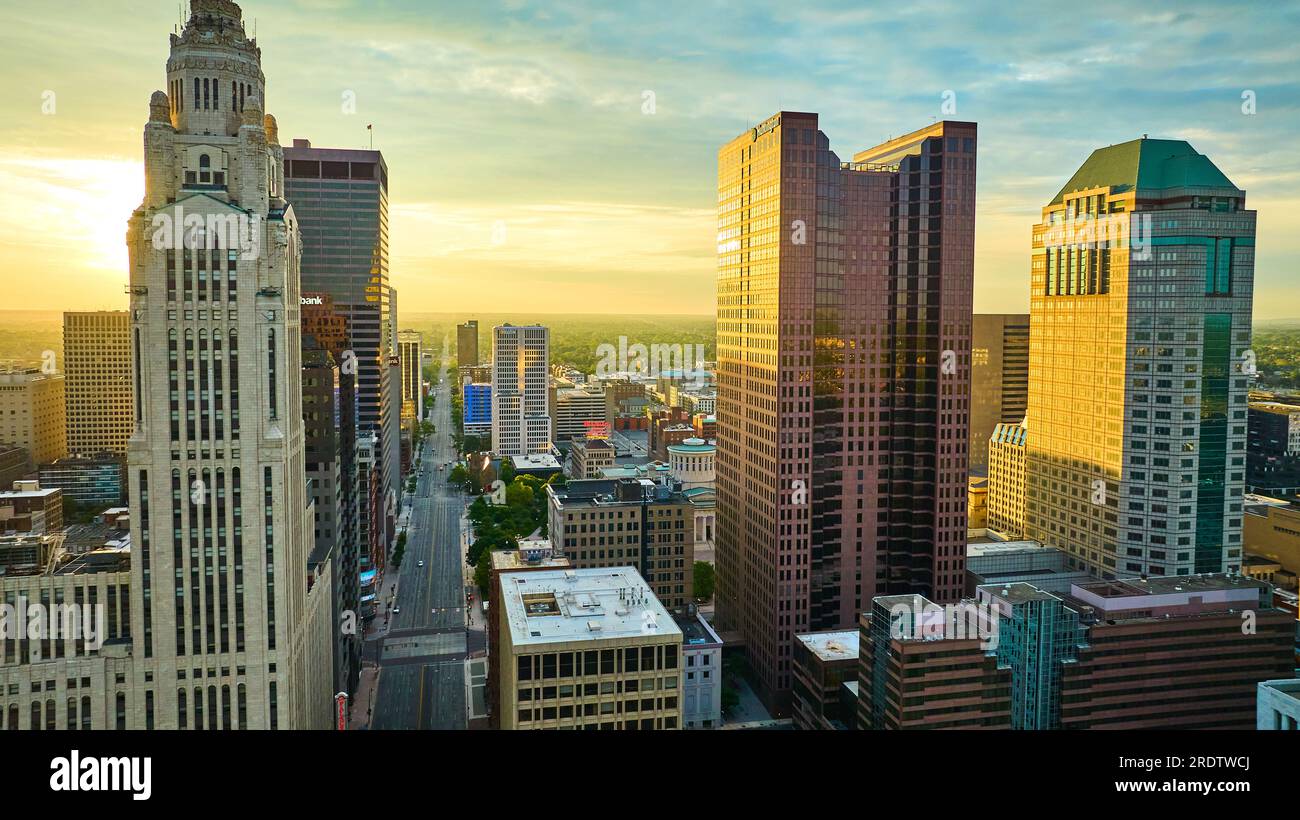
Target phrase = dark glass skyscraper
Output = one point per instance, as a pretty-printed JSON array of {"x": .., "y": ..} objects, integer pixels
[{"x": 341, "y": 198}]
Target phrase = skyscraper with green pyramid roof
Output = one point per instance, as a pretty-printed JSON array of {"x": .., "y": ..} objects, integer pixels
[{"x": 1142, "y": 277}]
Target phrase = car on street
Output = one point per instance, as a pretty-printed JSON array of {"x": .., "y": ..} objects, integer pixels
[{"x": 420, "y": 564}]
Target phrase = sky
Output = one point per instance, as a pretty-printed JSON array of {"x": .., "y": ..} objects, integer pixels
[{"x": 562, "y": 156}]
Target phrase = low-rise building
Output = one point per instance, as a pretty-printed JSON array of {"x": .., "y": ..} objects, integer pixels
[
  {"x": 1278, "y": 705},
  {"x": 702, "y": 683},
  {"x": 75, "y": 674},
  {"x": 576, "y": 410},
  {"x": 93, "y": 481},
  {"x": 628, "y": 522},
  {"x": 823, "y": 662},
  {"x": 1271, "y": 531},
  {"x": 30, "y": 508},
  {"x": 588, "y": 457},
  {"x": 587, "y": 648},
  {"x": 1192, "y": 650},
  {"x": 533, "y": 555},
  {"x": 1009, "y": 562}
]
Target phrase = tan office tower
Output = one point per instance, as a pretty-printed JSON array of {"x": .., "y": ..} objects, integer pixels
[
  {"x": 221, "y": 522},
  {"x": 844, "y": 321},
  {"x": 409, "y": 350},
  {"x": 32, "y": 414},
  {"x": 999, "y": 377},
  {"x": 1006, "y": 479},
  {"x": 1142, "y": 275},
  {"x": 97, "y": 381}
]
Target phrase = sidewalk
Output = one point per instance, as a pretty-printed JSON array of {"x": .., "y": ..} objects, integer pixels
[{"x": 362, "y": 702}]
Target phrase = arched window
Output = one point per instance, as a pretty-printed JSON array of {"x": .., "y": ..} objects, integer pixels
[
  {"x": 205, "y": 169},
  {"x": 196, "y": 93}
]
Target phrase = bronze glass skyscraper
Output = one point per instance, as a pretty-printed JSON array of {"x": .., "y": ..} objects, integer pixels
[{"x": 844, "y": 322}]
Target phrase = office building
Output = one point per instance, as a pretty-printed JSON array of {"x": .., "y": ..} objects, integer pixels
[
  {"x": 954, "y": 683},
  {"x": 97, "y": 381},
  {"x": 823, "y": 662},
  {"x": 977, "y": 502},
  {"x": 1142, "y": 278},
  {"x": 589, "y": 457},
  {"x": 222, "y": 630},
  {"x": 999, "y": 369},
  {"x": 325, "y": 369},
  {"x": 340, "y": 197},
  {"x": 410, "y": 351},
  {"x": 532, "y": 555},
  {"x": 587, "y": 648},
  {"x": 32, "y": 413},
  {"x": 1191, "y": 657},
  {"x": 14, "y": 464},
  {"x": 333, "y": 555},
  {"x": 1271, "y": 531},
  {"x": 521, "y": 398},
  {"x": 92, "y": 481},
  {"x": 1273, "y": 447},
  {"x": 1018, "y": 657},
  {"x": 1278, "y": 705},
  {"x": 1010, "y": 562},
  {"x": 1006, "y": 479},
  {"x": 30, "y": 508},
  {"x": 627, "y": 522},
  {"x": 78, "y": 678},
  {"x": 702, "y": 661},
  {"x": 467, "y": 344},
  {"x": 579, "y": 411},
  {"x": 844, "y": 313},
  {"x": 476, "y": 413}
]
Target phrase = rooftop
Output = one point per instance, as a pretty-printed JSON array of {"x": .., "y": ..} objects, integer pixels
[
  {"x": 565, "y": 606},
  {"x": 986, "y": 549},
  {"x": 695, "y": 630},
  {"x": 535, "y": 461},
  {"x": 1147, "y": 164},
  {"x": 832, "y": 646}
]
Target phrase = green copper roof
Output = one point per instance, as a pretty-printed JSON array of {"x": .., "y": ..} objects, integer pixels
[{"x": 1148, "y": 164}]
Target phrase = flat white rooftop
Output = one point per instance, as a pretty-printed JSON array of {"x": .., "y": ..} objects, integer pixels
[
  {"x": 562, "y": 606},
  {"x": 832, "y": 646}
]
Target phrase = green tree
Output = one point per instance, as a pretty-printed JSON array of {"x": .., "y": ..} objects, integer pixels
[
  {"x": 519, "y": 494},
  {"x": 705, "y": 580},
  {"x": 483, "y": 572},
  {"x": 458, "y": 475},
  {"x": 507, "y": 473}
]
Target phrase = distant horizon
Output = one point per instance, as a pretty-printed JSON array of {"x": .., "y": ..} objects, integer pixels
[{"x": 464, "y": 316}]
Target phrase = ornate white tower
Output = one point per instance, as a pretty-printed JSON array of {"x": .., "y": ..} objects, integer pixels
[{"x": 221, "y": 618}]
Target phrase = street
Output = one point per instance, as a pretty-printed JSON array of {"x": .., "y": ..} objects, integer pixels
[{"x": 422, "y": 671}]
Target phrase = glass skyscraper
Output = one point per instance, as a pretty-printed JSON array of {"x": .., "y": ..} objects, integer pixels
[{"x": 1142, "y": 281}]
